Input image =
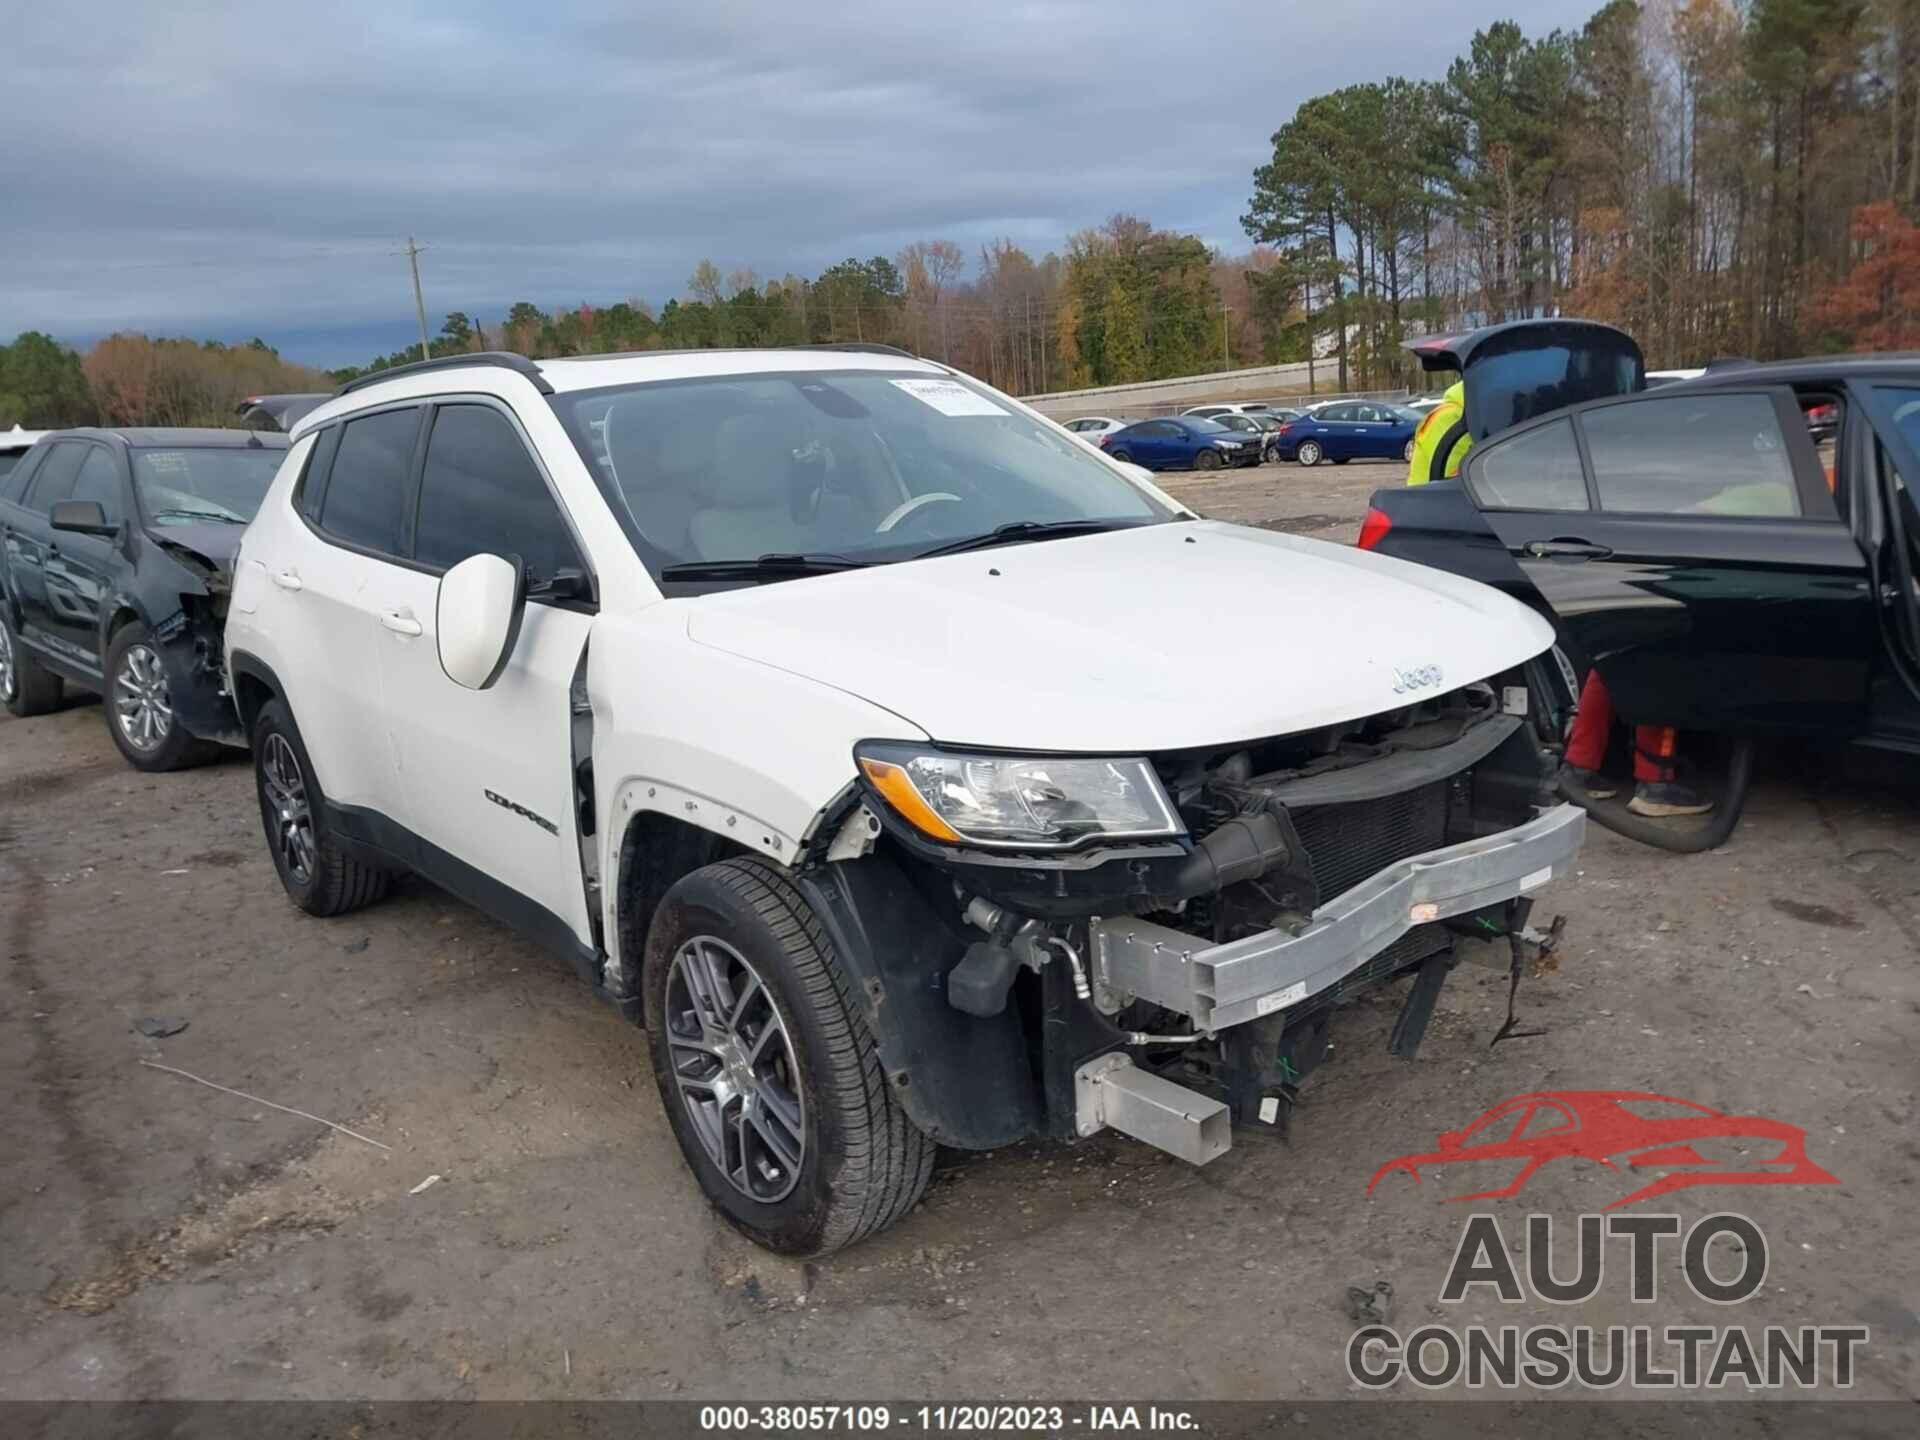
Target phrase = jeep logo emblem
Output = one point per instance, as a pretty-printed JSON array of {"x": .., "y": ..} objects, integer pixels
[{"x": 1417, "y": 677}]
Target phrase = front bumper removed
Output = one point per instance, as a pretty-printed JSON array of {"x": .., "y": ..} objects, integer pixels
[{"x": 1217, "y": 986}]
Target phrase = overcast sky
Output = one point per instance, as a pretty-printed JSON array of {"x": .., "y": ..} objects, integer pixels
[{"x": 205, "y": 169}]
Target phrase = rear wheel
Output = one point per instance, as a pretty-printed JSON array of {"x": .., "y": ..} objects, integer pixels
[
  {"x": 25, "y": 687},
  {"x": 1308, "y": 453},
  {"x": 318, "y": 874},
  {"x": 768, "y": 1072},
  {"x": 139, "y": 706},
  {"x": 1122, "y": 456},
  {"x": 1208, "y": 459},
  {"x": 1406, "y": 451}
]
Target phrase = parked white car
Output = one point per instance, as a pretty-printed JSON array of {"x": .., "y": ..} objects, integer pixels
[
  {"x": 1213, "y": 412},
  {"x": 917, "y": 775},
  {"x": 15, "y": 443},
  {"x": 1092, "y": 427}
]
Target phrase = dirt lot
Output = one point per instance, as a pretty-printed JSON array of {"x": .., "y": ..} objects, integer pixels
[{"x": 164, "y": 1239}]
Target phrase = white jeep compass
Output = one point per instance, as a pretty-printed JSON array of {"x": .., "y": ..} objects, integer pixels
[{"x": 915, "y": 773}]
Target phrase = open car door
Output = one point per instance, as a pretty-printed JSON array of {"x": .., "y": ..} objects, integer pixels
[
  {"x": 1893, "y": 537},
  {"x": 1689, "y": 547}
]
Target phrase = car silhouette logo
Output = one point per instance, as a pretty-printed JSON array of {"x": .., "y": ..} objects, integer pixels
[{"x": 1631, "y": 1132}]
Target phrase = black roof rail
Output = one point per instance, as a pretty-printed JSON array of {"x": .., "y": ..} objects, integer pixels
[
  {"x": 865, "y": 347},
  {"x": 505, "y": 359}
]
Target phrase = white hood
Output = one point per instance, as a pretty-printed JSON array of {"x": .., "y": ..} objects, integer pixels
[{"x": 1147, "y": 639}]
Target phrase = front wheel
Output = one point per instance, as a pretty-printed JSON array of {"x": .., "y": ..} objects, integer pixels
[
  {"x": 1308, "y": 453},
  {"x": 1207, "y": 460},
  {"x": 769, "y": 1075},
  {"x": 139, "y": 706}
]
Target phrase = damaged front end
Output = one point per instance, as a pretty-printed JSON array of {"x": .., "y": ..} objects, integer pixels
[
  {"x": 1172, "y": 987},
  {"x": 189, "y": 600}
]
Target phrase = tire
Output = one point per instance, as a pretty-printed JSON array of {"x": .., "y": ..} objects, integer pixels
[
  {"x": 1208, "y": 459},
  {"x": 319, "y": 876},
  {"x": 138, "y": 706},
  {"x": 1406, "y": 451},
  {"x": 817, "y": 1083},
  {"x": 25, "y": 687},
  {"x": 1308, "y": 453},
  {"x": 1122, "y": 456}
]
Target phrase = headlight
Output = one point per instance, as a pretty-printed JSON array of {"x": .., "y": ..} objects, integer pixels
[
  {"x": 1226, "y": 444},
  {"x": 1020, "y": 801}
]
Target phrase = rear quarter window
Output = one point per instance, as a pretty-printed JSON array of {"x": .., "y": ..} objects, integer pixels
[{"x": 1539, "y": 470}]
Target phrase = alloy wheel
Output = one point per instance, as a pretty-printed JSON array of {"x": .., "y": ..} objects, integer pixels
[
  {"x": 7, "y": 678},
  {"x": 141, "y": 706},
  {"x": 735, "y": 1068},
  {"x": 291, "y": 817},
  {"x": 1309, "y": 453}
]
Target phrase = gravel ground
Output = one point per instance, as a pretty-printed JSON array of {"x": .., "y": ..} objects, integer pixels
[{"x": 166, "y": 1240}]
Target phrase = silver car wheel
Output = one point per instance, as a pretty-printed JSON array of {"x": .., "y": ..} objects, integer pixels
[
  {"x": 1309, "y": 452},
  {"x": 290, "y": 816},
  {"x": 735, "y": 1067},
  {"x": 7, "y": 678},
  {"x": 141, "y": 706}
]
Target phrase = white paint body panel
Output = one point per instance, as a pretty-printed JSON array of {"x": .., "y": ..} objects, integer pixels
[
  {"x": 738, "y": 711},
  {"x": 1151, "y": 639}
]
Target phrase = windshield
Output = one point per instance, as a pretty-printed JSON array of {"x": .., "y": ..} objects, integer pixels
[
  {"x": 189, "y": 487},
  {"x": 864, "y": 467}
]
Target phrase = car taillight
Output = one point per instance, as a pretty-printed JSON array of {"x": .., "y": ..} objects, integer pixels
[
  {"x": 1284, "y": 428},
  {"x": 1104, "y": 439},
  {"x": 1374, "y": 528}
]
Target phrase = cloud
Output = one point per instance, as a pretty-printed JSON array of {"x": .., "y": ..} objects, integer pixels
[{"x": 241, "y": 169}]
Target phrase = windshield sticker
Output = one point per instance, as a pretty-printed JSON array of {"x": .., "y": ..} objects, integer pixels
[
  {"x": 166, "y": 462},
  {"x": 949, "y": 397}
]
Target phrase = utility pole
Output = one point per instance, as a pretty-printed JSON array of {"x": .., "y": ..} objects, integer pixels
[
  {"x": 419, "y": 305},
  {"x": 1226, "y": 359}
]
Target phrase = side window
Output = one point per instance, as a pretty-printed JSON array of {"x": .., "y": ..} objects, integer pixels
[
  {"x": 99, "y": 480},
  {"x": 54, "y": 480},
  {"x": 1703, "y": 454},
  {"x": 480, "y": 494},
  {"x": 366, "y": 490},
  {"x": 16, "y": 469},
  {"x": 1338, "y": 412},
  {"x": 1539, "y": 470},
  {"x": 312, "y": 488}
]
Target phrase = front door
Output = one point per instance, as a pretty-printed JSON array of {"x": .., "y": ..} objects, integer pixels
[
  {"x": 28, "y": 539},
  {"x": 79, "y": 568},
  {"x": 1690, "y": 549},
  {"x": 488, "y": 774}
]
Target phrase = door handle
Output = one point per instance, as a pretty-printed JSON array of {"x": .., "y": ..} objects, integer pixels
[
  {"x": 287, "y": 580},
  {"x": 1566, "y": 550},
  {"x": 400, "y": 622}
]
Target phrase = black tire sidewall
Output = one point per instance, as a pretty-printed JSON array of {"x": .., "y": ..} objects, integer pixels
[
  {"x": 275, "y": 719},
  {"x": 1207, "y": 460},
  {"x": 701, "y": 905},
  {"x": 35, "y": 690},
  {"x": 1121, "y": 457},
  {"x": 181, "y": 745}
]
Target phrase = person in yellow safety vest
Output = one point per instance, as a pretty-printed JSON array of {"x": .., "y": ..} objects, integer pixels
[{"x": 1440, "y": 419}]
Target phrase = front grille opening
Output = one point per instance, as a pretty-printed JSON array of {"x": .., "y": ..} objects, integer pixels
[{"x": 1347, "y": 844}]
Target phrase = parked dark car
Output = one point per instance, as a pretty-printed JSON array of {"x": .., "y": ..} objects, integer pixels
[
  {"x": 1181, "y": 442},
  {"x": 1257, "y": 428},
  {"x": 279, "y": 412},
  {"x": 116, "y": 556},
  {"x": 1723, "y": 569},
  {"x": 1348, "y": 430}
]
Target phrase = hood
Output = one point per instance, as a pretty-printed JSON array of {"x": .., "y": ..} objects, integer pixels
[
  {"x": 1159, "y": 638},
  {"x": 214, "y": 546}
]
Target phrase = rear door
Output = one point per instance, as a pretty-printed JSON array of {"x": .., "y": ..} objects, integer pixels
[
  {"x": 1689, "y": 548},
  {"x": 1889, "y": 523},
  {"x": 1339, "y": 430}
]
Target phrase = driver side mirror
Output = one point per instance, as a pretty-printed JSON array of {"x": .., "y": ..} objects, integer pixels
[
  {"x": 477, "y": 618},
  {"x": 82, "y": 517}
]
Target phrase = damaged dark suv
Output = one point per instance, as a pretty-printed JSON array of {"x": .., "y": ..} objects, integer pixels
[{"x": 116, "y": 556}]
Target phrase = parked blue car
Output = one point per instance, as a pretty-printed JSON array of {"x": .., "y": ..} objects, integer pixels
[
  {"x": 1348, "y": 430},
  {"x": 1181, "y": 442}
]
